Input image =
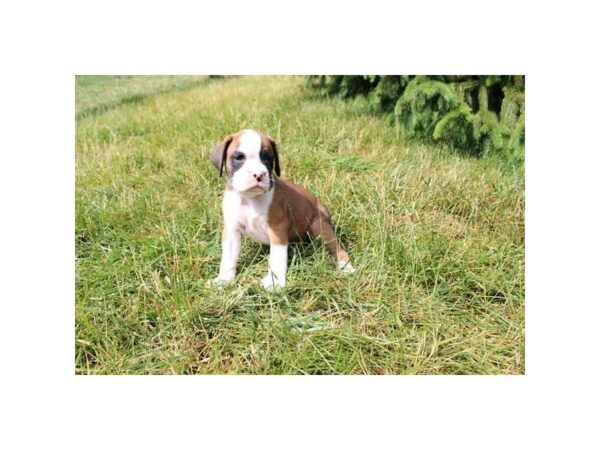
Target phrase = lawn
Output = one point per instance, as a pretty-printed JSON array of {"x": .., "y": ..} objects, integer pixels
[{"x": 437, "y": 239}]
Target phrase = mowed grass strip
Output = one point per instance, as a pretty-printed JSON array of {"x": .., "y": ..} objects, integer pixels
[{"x": 438, "y": 240}]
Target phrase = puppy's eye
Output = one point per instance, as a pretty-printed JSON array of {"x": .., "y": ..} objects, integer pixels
[{"x": 239, "y": 156}]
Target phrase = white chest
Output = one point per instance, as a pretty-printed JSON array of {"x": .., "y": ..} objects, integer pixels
[
  {"x": 255, "y": 224},
  {"x": 248, "y": 215}
]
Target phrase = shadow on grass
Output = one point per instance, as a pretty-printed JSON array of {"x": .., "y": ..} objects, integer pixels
[{"x": 141, "y": 97}]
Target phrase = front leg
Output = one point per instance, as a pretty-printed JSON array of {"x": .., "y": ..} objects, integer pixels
[
  {"x": 232, "y": 242},
  {"x": 277, "y": 266}
]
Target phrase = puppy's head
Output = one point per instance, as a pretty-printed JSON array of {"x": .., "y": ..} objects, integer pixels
[{"x": 249, "y": 159}]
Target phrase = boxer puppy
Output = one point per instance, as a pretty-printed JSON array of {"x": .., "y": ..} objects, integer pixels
[{"x": 269, "y": 209}]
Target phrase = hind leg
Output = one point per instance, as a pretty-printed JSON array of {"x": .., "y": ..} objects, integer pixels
[{"x": 321, "y": 227}]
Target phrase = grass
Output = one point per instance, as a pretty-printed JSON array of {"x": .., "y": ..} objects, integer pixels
[{"x": 437, "y": 238}]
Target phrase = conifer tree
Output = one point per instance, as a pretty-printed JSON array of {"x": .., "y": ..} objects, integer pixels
[{"x": 477, "y": 114}]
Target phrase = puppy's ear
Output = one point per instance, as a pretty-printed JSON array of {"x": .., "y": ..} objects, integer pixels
[
  {"x": 276, "y": 167},
  {"x": 219, "y": 154}
]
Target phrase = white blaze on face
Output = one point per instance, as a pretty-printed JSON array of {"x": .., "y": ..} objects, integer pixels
[{"x": 244, "y": 178}]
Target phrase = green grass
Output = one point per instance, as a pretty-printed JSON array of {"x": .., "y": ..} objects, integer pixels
[{"x": 437, "y": 238}]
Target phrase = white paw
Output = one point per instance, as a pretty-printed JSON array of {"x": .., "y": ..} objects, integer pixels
[
  {"x": 345, "y": 267},
  {"x": 218, "y": 282},
  {"x": 270, "y": 282}
]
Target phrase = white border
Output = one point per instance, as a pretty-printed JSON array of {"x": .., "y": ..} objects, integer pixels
[{"x": 47, "y": 43}]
